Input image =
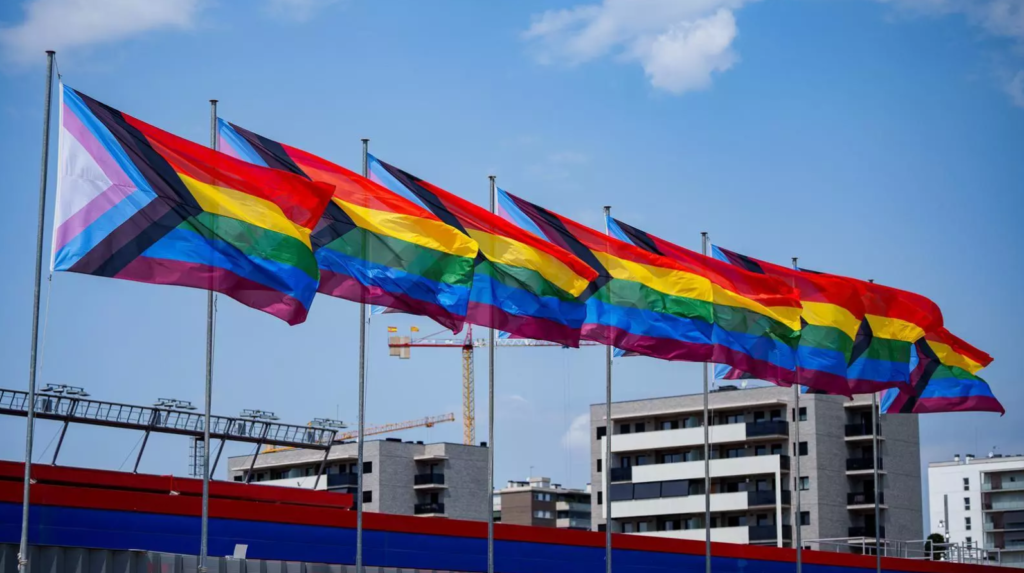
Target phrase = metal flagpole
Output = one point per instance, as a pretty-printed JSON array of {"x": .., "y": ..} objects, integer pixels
[
  {"x": 490, "y": 428},
  {"x": 205, "y": 521},
  {"x": 607, "y": 439},
  {"x": 30, "y": 424},
  {"x": 362, "y": 400},
  {"x": 707, "y": 449},
  {"x": 875, "y": 463},
  {"x": 796, "y": 401}
]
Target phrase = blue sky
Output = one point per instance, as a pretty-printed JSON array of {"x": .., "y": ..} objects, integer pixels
[{"x": 875, "y": 139}]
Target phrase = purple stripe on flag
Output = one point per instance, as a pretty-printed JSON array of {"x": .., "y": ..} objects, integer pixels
[{"x": 88, "y": 214}]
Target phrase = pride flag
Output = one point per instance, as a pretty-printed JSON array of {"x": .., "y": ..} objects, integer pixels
[
  {"x": 648, "y": 304},
  {"x": 137, "y": 203},
  {"x": 944, "y": 379},
  {"x": 832, "y": 315},
  {"x": 522, "y": 284},
  {"x": 372, "y": 245}
]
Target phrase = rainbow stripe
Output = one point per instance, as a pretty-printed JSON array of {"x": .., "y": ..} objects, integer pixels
[
  {"x": 944, "y": 379},
  {"x": 832, "y": 312},
  {"x": 649, "y": 304},
  {"x": 137, "y": 203},
  {"x": 372, "y": 245},
  {"x": 522, "y": 285}
]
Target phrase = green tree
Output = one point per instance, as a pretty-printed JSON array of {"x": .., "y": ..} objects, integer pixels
[{"x": 935, "y": 540}]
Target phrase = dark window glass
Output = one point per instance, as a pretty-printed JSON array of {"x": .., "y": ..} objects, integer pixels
[
  {"x": 802, "y": 448},
  {"x": 803, "y": 414},
  {"x": 367, "y": 467},
  {"x": 776, "y": 449},
  {"x": 621, "y": 492},
  {"x": 805, "y": 518},
  {"x": 777, "y": 415},
  {"x": 598, "y": 466},
  {"x": 643, "y": 460},
  {"x": 624, "y": 428},
  {"x": 367, "y": 497},
  {"x": 696, "y": 487},
  {"x": 671, "y": 458},
  {"x": 602, "y": 431},
  {"x": 639, "y": 427},
  {"x": 649, "y": 490},
  {"x": 600, "y": 498},
  {"x": 677, "y": 488},
  {"x": 761, "y": 451}
]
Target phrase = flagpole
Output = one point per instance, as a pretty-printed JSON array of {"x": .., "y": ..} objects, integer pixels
[
  {"x": 30, "y": 424},
  {"x": 362, "y": 398},
  {"x": 205, "y": 520},
  {"x": 875, "y": 464},
  {"x": 607, "y": 439},
  {"x": 707, "y": 449},
  {"x": 796, "y": 401},
  {"x": 490, "y": 427}
]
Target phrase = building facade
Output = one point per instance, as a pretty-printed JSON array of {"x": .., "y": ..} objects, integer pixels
[
  {"x": 540, "y": 503},
  {"x": 980, "y": 503},
  {"x": 404, "y": 478},
  {"x": 657, "y": 468}
]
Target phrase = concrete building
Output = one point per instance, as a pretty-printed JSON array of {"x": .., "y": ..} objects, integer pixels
[
  {"x": 984, "y": 499},
  {"x": 657, "y": 468},
  {"x": 540, "y": 503},
  {"x": 404, "y": 478}
]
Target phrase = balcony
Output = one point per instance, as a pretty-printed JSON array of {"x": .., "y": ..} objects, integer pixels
[
  {"x": 862, "y": 531},
  {"x": 572, "y": 523},
  {"x": 574, "y": 506},
  {"x": 854, "y": 431},
  {"x": 1004, "y": 486},
  {"x": 342, "y": 480},
  {"x": 768, "y": 429},
  {"x": 1002, "y": 506},
  {"x": 862, "y": 464},
  {"x": 428, "y": 509},
  {"x": 428, "y": 481},
  {"x": 622, "y": 474},
  {"x": 864, "y": 498},
  {"x": 767, "y": 498},
  {"x": 763, "y": 533}
]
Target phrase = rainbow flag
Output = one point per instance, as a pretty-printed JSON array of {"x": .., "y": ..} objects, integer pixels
[
  {"x": 137, "y": 203},
  {"x": 522, "y": 284},
  {"x": 372, "y": 245},
  {"x": 832, "y": 315},
  {"x": 944, "y": 379},
  {"x": 648, "y": 304},
  {"x": 894, "y": 320}
]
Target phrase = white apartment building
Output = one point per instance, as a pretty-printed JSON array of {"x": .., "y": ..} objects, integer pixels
[
  {"x": 657, "y": 468},
  {"x": 980, "y": 502}
]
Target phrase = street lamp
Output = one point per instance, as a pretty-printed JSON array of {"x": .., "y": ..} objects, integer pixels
[
  {"x": 328, "y": 423},
  {"x": 173, "y": 404},
  {"x": 250, "y": 414},
  {"x": 66, "y": 390}
]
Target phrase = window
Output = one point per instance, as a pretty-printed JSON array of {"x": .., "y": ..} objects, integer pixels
[
  {"x": 238, "y": 477},
  {"x": 624, "y": 428},
  {"x": 600, "y": 498},
  {"x": 763, "y": 485},
  {"x": 367, "y": 467},
  {"x": 967, "y": 503},
  {"x": 805, "y": 518},
  {"x": 639, "y": 427},
  {"x": 968, "y": 539},
  {"x": 677, "y": 488},
  {"x": 731, "y": 419},
  {"x": 802, "y": 448},
  {"x": 776, "y": 415},
  {"x": 670, "y": 525},
  {"x": 602, "y": 431},
  {"x": 367, "y": 497},
  {"x": 761, "y": 451},
  {"x": 672, "y": 425},
  {"x": 736, "y": 521},
  {"x": 692, "y": 456},
  {"x": 764, "y": 519},
  {"x": 967, "y": 523},
  {"x": 643, "y": 460},
  {"x": 598, "y": 466},
  {"x": 643, "y": 527},
  {"x": 628, "y": 527},
  {"x": 758, "y": 417},
  {"x": 650, "y": 490},
  {"x": 803, "y": 483},
  {"x": 622, "y": 492},
  {"x": 691, "y": 422},
  {"x": 624, "y": 462},
  {"x": 734, "y": 453},
  {"x": 967, "y": 484},
  {"x": 542, "y": 496},
  {"x": 696, "y": 488},
  {"x": 542, "y": 514},
  {"x": 776, "y": 449},
  {"x": 671, "y": 458},
  {"x": 803, "y": 413}
]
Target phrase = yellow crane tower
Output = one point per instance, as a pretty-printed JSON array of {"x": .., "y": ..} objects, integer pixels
[{"x": 401, "y": 347}]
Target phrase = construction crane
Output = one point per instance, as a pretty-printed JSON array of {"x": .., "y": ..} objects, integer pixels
[
  {"x": 401, "y": 347},
  {"x": 428, "y": 422}
]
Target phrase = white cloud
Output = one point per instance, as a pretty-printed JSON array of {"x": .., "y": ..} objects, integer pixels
[
  {"x": 1015, "y": 89},
  {"x": 65, "y": 24},
  {"x": 298, "y": 10},
  {"x": 679, "y": 44},
  {"x": 577, "y": 437}
]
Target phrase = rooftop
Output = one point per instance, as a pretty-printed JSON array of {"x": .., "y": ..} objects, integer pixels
[{"x": 969, "y": 459}]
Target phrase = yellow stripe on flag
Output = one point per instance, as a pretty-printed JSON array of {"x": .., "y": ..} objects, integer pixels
[
  {"x": 427, "y": 233},
  {"x": 244, "y": 207},
  {"x": 894, "y": 328},
  {"x": 831, "y": 315},
  {"x": 950, "y": 357},
  {"x": 669, "y": 281},
  {"x": 513, "y": 253},
  {"x": 788, "y": 315}
]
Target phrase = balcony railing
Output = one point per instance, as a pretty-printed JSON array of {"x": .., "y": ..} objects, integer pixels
[
  {"x": 1002, "y": 506},
  {"x": 428, "y": 508},
  {"x": 855, "y": 430},
  {"x": 784, "y": 462},
  {"x": 768, "y": 532},
  {"x": 756, "y": 498},
  {"x": 622, "y": 474},
  {"x": 857, "y": 464},
  {"x": 342, "y": 480},
  {"x": 864, "y": 498},
  {"x": 861, "y": 531},
  {"x": 1004, "y": 486},
  {"x": 428, "y": 479},
  {"x": 767, "y": 428}
]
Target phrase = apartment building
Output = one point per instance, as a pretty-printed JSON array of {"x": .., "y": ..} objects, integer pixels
[
  {"x": 657, "y": 468},
  {"x": 404, "y": 478},
  {"x": 980, "y": 503},
  {"x": 540, "y": 503}
]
